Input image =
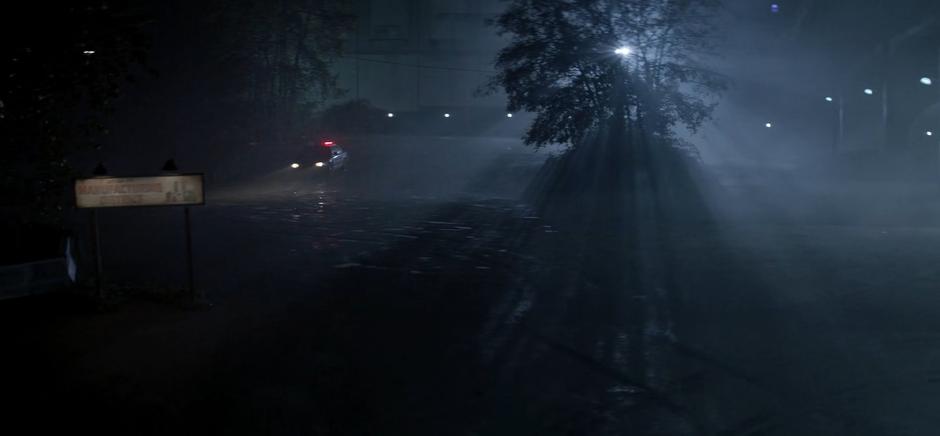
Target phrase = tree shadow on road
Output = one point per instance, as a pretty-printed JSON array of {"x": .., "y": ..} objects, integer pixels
[{"x": 502, "y": 320}]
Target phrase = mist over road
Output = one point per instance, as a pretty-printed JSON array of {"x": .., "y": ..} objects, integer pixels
[{"x": 433, "y": 301}]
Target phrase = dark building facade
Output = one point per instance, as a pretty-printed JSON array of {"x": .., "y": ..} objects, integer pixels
[{"x": 411, "y": 55}]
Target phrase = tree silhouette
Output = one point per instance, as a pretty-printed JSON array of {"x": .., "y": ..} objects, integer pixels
[
  {"x": 562, "y": 64},
  {"x": 64, "y": 66},
  {"x": 278, "y": 55}
]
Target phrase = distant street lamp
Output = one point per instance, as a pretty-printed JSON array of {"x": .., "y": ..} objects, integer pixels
[
  {"x": 869, "y": 91},
  {"x": 829, "y": 99},
  {"x": 446, "y": 115},
  {"x": 88, "y": 52},
  {"x": 926, "y": 81},
  {"x": 769, "y": 125},
  {"x": 391, "y": 115},
  {"x": 508, "y": 115},
  {"x": 929, "y": 133}
]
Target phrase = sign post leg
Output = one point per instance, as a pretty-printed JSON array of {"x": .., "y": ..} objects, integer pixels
[
  {"x": 197, "y": 299},
  {"x": 95, "y": 234}
]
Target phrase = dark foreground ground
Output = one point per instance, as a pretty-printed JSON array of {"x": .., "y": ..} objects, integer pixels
[{"x": 337, "y": 312}]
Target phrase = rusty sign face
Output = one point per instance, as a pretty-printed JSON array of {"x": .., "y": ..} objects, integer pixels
[{"x": 168, "y": 190}]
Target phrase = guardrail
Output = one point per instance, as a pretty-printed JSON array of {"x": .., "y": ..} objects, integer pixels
[{"x": 33, "y": 278}]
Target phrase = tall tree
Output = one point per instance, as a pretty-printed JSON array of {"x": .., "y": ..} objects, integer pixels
[
  {"x": 282, "y": 52},
  {"x": 63, "y": 66},
  {"x": 579, "y": 63}
]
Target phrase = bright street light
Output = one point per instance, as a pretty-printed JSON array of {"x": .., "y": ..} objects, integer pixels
[
  {"x": 391, "y": 115},
  {"x": 623, "y": 51},
  {"x": 769, "y": 125},
  {"x": 446, "y": 115},
  {"x": 295, "y": 165},
  {"x": 869, "y": 91},
  {"x": 88, "y": 52},
  {"x": 508, "y": 115},
  {"x": 929, "y": 133},
  {"x": 926, "y": 81},
  {"x": 829, "y": 99}
]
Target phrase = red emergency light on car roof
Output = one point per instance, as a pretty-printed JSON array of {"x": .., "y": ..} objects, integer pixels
[{"x": 328, "y": 143}]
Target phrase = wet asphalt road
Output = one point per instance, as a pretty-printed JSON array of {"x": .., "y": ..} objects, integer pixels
[{"x": 462, "y": 312}]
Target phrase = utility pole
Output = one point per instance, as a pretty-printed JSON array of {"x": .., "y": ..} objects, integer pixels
[
  {"x": 358, "y": 30},
  {"x": 418, "y": 47},
  {"x": 884, "y": 114},
  {"x": 840, "y": 126},
  {"x": 938, "y": 136},
  {"x": 889, "y": 49}
]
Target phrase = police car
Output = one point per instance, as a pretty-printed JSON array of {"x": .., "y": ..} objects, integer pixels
[{"x": 326, "y": 157}]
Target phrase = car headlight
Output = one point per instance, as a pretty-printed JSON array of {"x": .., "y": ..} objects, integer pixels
[
  {"x": 295, "y": 165},
  {"x": 319, "y": 164}
]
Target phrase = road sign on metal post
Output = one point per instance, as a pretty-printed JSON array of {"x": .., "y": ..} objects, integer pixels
[
  {"x": 164, "y": 190},
  {"x": 167, "y": 190}
]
